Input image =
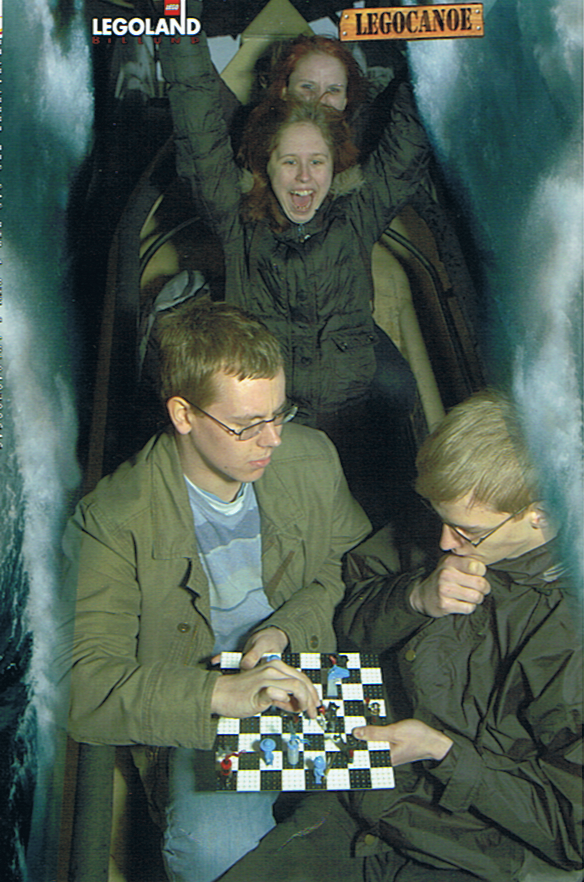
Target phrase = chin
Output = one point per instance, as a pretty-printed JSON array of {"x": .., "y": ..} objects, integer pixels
[{"x": 300, "y": 218}]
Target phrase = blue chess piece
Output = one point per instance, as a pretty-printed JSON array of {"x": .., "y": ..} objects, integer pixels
[
  {"x": 319, "y": 768},
  {"x": 267, "y": 746},
  {"x": 336, "y": 674},
  {"x": 293, "y": 750}
]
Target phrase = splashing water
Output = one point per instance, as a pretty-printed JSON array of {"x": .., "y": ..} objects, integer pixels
[{"x": 47, "y": 122}]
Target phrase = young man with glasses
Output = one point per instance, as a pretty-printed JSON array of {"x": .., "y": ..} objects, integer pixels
[
  {"x": 483, "y": 658},
  {"x": 225, "y": 532}
]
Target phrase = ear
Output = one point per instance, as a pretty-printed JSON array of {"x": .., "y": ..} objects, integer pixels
[{"x": 180, "y": 414}]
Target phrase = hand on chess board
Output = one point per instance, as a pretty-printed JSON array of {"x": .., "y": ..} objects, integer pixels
[
  {"x": 253, "y": 691},
  {"x": 264, "y": 642},
  {"x": 410, "y": 740},
  {"x": 457, "y": 585}
]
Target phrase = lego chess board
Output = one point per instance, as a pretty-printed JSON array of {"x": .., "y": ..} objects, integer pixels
[{"x": 255, "y": 754}]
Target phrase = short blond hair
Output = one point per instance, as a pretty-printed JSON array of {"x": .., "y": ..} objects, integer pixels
[
  {"x": 479, "y": 449},
  {"x": 202, "y": 338}
]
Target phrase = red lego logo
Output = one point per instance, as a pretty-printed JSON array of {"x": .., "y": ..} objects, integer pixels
[{"x": 171, "y": 7}]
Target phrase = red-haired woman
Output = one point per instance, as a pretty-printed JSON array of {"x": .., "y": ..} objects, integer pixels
[{"x": 316, "y": 68}]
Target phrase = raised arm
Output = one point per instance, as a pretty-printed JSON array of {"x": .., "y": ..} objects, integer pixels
[
  {"x": 203, "y": 149},
  {"x": 383, "y": 608},
  {"x": 398, "y": 166},
  {"x": 376, "y": 612}
]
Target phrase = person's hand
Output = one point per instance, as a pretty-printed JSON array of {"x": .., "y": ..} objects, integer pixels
[
  {"x": 264, "y": 642},
  {"x": 457, "y": 585},
  {"x": 410, "y": 740},
  {"x": 269, "y": 683}
]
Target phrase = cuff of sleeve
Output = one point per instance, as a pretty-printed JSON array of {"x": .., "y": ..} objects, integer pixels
[
  {"x": 405, "y": 620},
  {"x": 409, "y": 585},
  {"x": 207, "y": 725},
  {"x": 300, "y": 638},
  {"x": 272, "y": 624},
  {"x": 461, "y": 773}
]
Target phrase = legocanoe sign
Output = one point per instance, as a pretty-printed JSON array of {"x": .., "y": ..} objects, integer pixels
[{"x": 412, "y": 23}]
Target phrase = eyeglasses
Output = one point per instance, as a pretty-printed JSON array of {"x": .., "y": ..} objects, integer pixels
[
  {"x": 255, "y": 429},
  {"x": 476, "y": 542}
]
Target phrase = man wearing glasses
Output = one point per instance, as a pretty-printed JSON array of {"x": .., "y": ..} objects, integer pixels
[
  {"x": 225, "y": 532},
  {"x": 483, "y": 662}
]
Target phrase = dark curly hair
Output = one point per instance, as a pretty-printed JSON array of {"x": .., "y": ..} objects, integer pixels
[{"x": 260, "y": 138}]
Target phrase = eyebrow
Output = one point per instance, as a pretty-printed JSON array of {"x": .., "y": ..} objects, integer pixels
[
  {"x": 306, "y": 80},
  {"x": 294, "y": 155}
]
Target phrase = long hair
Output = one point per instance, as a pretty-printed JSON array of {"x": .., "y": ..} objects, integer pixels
[
  {"x": 261, "y": 136},
  {"x": 289, "y": 54}
]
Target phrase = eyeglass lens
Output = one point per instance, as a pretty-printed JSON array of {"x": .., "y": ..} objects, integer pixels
[{"x": 278, "y": 420}]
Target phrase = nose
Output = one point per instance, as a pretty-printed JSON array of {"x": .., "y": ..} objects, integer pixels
[
  {"x": 303, "y": 171},
  {"x": 449, "y": 539},
  {"x": 270, "y": 436}
]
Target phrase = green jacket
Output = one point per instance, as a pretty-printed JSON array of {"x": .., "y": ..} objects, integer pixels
[{"x": 142, "y": 624}]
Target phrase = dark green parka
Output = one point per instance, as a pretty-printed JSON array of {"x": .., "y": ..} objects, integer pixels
[{"x": 505, "y": 684}]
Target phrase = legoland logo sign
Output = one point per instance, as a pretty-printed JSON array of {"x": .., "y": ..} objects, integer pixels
[{"x": 174, "y": 23}]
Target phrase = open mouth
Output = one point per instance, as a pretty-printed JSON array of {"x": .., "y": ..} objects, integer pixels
[{"x": 302, "y": 200}]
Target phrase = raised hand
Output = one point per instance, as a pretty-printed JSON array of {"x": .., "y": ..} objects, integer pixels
[{"x": 457, "y": 585}]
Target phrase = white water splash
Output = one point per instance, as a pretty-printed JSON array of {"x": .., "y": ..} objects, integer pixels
[{"x": 47, "y": 133}]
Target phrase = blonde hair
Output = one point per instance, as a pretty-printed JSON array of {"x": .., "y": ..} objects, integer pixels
[
  {"x": 201, "y": 338},
  {"x": 479, "y": 449}
]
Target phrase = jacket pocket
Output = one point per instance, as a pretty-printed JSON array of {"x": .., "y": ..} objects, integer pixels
[{"x": 348, "y": 366}]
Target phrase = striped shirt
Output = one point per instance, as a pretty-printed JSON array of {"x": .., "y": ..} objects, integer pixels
[{"x": 230, "y": 548}]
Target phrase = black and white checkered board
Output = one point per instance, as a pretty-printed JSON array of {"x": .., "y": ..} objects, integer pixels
[{"x": 350, "y": 764}]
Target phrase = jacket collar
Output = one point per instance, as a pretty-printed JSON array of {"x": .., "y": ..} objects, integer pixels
[
  {"x": 278, "y": 508},
  {"x": 540, "y": 568},
  {"x": 174, "y": 532}
]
